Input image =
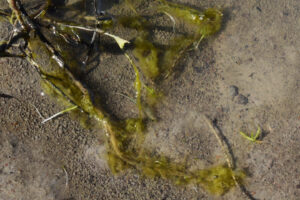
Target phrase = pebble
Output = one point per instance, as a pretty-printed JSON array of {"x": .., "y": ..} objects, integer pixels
[
  {"x": 233, "y": 91},
  {"x": 241, "y": 99},
  {"x": 60, "y": 130}
]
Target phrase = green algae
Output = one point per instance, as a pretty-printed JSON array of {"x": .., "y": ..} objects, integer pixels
[
  {"x": 59, "y": 71},
  {"x": 157, "y": 61},
  {"x": 205, "y": 23},
  {"x": 147, "y": 54},
  {"x": 174, "y": 53},
  {"x": 217, "y": 180},
  {"x": 133, "y": 22}
]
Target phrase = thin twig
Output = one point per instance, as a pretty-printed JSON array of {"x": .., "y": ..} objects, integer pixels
[
  {"x": 90, "y": 29},
  {"x": 59, "y": 113},
  {"x": 127, "y": 97},
  {"x": 43, "y": 11},
  {"x": 172, "y": 19},
  {"x": 91, "y": 43},
  {"x": 14, "y": 6},
  {"x": 37, "y": 110},
  {"x": 228, "y": 156},
  {"x": 222, "y": 143},
  {"x": 67, "y": 177}
]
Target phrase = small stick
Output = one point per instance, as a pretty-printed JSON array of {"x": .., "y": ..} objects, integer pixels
[
  {"x": 59, "y": 113},
  {"x": 13, "y": 4},
  {"x": 172, "y": 19},
  {"x": 127, "y": 97},
  {"x": 91, "y": 44},
  {"x": 228, "y": 156},
  {"x": 67, "y": 178},
  {"x": 222, "y": 143},
  {"x": 97, "y": 30}
]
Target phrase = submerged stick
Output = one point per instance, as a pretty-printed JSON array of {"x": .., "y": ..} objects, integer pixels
[
  {"x": 228, "y": 156},
  {"x": 59, "y": 113}
]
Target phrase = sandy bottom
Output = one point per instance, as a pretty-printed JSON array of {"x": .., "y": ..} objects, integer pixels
[{"x": 246, "y": 76}]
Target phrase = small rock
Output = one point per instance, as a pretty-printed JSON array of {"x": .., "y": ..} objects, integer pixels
[
  {"x": 60, "y": 130},
  {"x": 233, "y": 91},
  {"x": 241, "y": 99}
]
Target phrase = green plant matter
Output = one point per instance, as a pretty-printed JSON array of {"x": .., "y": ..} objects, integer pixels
[
  {"x": 252, "y": 137},
  {"x": 49, "y": 52},
  {"x": 155, "y": 60},
  {"x": 205, "y": 24},
  {"x": 147, "y": 54}
]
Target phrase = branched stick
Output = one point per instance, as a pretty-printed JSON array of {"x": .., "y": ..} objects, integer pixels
[{"x": 28, "y": 25}]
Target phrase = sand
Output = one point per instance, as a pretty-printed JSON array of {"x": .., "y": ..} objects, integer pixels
[{"x": 246, "y": 76}]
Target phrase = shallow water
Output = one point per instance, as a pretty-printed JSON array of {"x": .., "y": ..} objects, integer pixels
[{"x": 256, "y": 50}]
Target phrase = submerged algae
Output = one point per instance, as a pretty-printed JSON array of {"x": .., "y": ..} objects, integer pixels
[
  {"x": 205, "y": 23},
  {"x": 147, "y": 54},
  {"x": 154, "y": 59},
  {"x": 125, "y": 139}
]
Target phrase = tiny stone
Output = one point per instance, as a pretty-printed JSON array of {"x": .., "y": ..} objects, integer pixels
[
  {"x": 60, "y": 130},
  {"x": 233, "y": 90},
  {"x": 241, "y": 99}
]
